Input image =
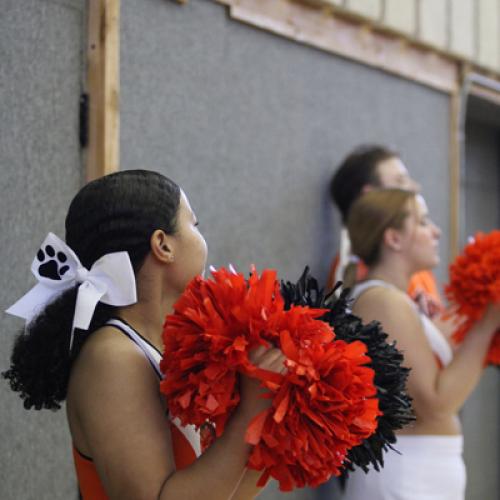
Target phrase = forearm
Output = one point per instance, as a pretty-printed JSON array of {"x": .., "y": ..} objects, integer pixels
[
  {"x": 247, "y": 488},
  {"x": 220, "y": 473},
  {"x": 456, "y": 382}
]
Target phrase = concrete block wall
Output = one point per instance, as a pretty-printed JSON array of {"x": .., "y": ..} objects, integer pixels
[{"x": 468, "y": 29}]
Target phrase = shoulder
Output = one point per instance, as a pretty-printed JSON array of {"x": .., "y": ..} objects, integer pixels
[
  {"x": 110, "y": 360},
  {"x": 383, "y": 303},
  {"x": 382, "y": 293},
  {"x": 108, "y": 346}
]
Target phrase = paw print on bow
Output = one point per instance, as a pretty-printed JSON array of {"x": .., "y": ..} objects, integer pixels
[{"x": 52, "y": 264}]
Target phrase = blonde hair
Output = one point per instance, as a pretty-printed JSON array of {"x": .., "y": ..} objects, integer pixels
[{"x": 369, "y": 217}]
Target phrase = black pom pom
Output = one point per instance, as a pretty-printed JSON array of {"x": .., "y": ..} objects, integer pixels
[{"x": 386, "y": 361}]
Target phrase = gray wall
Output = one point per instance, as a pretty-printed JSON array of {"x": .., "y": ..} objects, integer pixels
[
  {"x": 481, "y": 413},
  {"x": 251, "y": 125},
  {"x": 40, "y": 78}
]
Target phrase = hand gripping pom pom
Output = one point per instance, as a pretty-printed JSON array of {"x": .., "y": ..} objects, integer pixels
[
  {"x": 321, "y": 407},
  {"x": 474, "y": 284}
]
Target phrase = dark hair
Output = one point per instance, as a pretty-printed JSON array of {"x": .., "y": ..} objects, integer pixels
[
  {"x": 118, "y": 212},
  {"x": 357, "y": 170}
]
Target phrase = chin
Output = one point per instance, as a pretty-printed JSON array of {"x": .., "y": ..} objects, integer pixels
[
  {"x": 428, "y": 264},
  {"x": 434, "y": 262}
]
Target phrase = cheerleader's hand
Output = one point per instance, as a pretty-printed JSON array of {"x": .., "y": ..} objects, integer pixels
[
  {"x": 449, "y": 322},
  {"x": 271, "y": 359},
  {"x": 251, "y": 388}
]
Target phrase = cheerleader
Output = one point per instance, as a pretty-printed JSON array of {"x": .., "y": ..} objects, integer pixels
[
  {"x": 93, "y": 339},
  {"x": 393, "y": 234}
]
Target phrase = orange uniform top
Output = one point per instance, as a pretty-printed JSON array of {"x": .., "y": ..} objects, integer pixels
[
  {"x": 422, "y": 288},
  {"x": 90, "y": 484}
]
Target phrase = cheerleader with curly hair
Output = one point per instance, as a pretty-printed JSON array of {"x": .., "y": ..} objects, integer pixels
[{"x": 93, "y": 338}]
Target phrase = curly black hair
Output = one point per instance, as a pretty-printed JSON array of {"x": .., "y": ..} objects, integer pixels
[{"x": 118, "y": 212}]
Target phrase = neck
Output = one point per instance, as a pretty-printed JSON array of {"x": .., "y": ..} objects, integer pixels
[
  {"x": 148, "y": 314},
  {"x": 396, "y": 273},
  {"x": 147, "y": 319}
]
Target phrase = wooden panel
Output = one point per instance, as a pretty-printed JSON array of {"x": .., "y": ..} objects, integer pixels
[
  {"x": 354, "y": 40},
  {"x": 488, "y": 31},
  {"x": 103, "y": 85},
  {"x": 368, "y": 8},
  {"x": 401, "y": 15},
  {"x": 462, "y": 27},
  {"x": 434, "y": 22}
]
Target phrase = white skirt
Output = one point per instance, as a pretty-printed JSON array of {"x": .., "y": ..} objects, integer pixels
[{"x": 429, "y": 468}]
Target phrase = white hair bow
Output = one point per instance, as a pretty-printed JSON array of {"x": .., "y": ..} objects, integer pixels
[{"x": 57, "y": 268}]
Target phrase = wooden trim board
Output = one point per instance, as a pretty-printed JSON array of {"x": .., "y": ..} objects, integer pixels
[
  {"x": 103, "y": 85},
  {"x": 355, "y": 40}
]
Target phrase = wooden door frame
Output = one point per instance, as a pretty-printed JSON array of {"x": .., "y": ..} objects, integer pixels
[
  {"x": 103, "y": 88},
  {"x": 487, "y": 89}
]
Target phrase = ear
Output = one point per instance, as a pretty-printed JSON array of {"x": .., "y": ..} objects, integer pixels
[
  {"x": 392, "y": 239},
  {"x": 162, "y": 246}
]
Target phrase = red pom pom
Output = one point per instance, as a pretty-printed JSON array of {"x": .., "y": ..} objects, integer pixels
[
  {"x": 324, "y": 406},
  {"x": 475, "y": 283},
  {"x": 321, "y": 407}
]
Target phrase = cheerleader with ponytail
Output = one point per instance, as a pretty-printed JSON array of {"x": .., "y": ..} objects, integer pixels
[
  {"x": 93, "y": 335},
  {"x": 393, "y": 234}
]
